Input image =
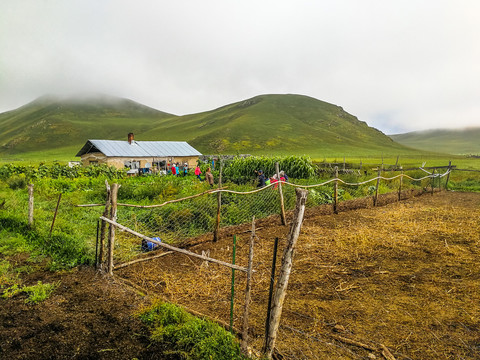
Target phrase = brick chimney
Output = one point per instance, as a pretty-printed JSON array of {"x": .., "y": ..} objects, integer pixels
[{"x": 130, "y": 138}]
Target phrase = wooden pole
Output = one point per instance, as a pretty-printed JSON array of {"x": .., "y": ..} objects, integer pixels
[
  {"x": 141, "y": 260},
  {"x": 55, "y": 214},
  {"x": 219, "y": 205},
  {"x": 433, "y": 181},
  {"x": 448, "y": 175},
  {"x": 270, "y": 291},
  {"x": 96, "y": 244},
  {"x": 248, "y": 290},
  {"x": 280, "y": 191},
  {"x": 335, "y": 192},
  {"x": 103, "y": 228},
  {"x": 287, "y": 262},
  {"x": 375, "y": 198},
  {"x": 400, "y": 187},
  {"x": 233, "y": 283},
  {"x": 30, "y": 205},
  {"x": 111, "y": 232}
]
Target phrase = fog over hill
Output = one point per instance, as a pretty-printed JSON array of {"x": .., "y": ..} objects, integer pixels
[{"x": 451, "y": 141}]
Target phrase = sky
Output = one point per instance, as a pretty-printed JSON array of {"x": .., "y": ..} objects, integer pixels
[{"x": 399, "y": 66}]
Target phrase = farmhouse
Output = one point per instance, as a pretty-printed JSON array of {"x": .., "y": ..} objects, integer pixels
[{"x": 138, "y": 154}]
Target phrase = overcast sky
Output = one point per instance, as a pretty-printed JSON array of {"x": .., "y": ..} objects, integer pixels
[{"x": 398, "y": 65}]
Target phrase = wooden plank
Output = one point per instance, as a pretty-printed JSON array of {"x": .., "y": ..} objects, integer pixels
[
  {"x": 141, "y": 260},
  {"x": 173, "y": 248}
]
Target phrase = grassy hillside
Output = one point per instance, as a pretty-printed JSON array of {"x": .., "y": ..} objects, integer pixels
[
  {"x": 278, "y": 124},
  {"x": 49, "y": 128},
  {"x": 460, "y": 142},
  {"x": 54, "y": 126}
]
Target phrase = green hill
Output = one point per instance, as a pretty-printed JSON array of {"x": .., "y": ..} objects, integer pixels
[
  {"x": 50, "y": 128},
  {"x": 278, "y": 124},
  {"x": 51, "y": 125},
  {"x": 458, "y": 142}
]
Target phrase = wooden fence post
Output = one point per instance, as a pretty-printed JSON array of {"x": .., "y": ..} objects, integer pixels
[
  {"x": 55, "y": 214},
  {"x": 280, "y": 192},
  {"x": 270, "y": 291},
  {"x": 103, "y": 228},
  {"x": 448, "y": 175},
  {"x": 287, "y": 262},
  {"x": 111, "y": 233},
  {"x": 232, "y": 298},
  {"x": 433, "y": 181},
  {"x": 375, "y": 198},
  {"x": 335, "y": 192},
  {"x": 219, "y": 204},
  {"x": 30, "y": 205},
  {"x": 248, "y": 291},
  {"x": 400, "y": 187}
]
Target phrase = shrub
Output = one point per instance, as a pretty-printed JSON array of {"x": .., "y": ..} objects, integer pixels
[
  {"x": 17, "y": 182},
  {"x": 190, "y": 337},
  {"x": 38, "y": 293}
]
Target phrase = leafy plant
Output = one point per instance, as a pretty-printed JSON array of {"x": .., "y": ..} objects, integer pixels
[
  {"x": 38, "y": 293},
  {"x": 189, "y": 337}
]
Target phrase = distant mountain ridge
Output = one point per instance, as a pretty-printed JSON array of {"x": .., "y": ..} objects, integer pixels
[
  {"x": 458, "y": 142},
  {"x": 264, "y": 124}
]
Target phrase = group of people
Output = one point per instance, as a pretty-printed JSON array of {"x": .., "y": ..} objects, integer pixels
[
  {"x": 264, "y": 181},
  {"x": 177, "y": 170}
]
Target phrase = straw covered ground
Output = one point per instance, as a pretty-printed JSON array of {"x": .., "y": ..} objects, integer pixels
[{"x": 403, "y": 275}]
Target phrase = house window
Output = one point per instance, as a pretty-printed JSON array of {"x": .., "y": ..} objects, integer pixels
[
  {"x": 93, "y": 162},
  {"x": 132, "y": 164}
]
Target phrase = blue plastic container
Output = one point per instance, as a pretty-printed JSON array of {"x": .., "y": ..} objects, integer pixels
[{"x": 148, "y": 245}]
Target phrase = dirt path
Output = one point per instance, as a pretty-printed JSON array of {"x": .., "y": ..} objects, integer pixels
[{"x": 404, "y": 275}]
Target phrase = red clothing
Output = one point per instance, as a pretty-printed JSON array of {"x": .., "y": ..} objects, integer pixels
[
  {"x": 197, "y": 171},
  {"x": 273, "y": 181}
]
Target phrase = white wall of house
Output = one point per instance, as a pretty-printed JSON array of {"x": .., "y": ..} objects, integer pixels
[{"x": 120, "y": 162}]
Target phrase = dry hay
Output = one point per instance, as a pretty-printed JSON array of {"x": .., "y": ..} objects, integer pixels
[{"x": 404, "y": 276}]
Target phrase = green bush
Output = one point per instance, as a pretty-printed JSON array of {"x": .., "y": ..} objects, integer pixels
[
  {"x": 38, "y": 293},
  {"x": 189, "y": 337},
  {"x": 17, "y": 182}
]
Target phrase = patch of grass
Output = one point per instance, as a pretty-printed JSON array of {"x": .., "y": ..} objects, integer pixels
[
  {"x": 189, "y": 337},
  {"x": 38, "y": 293}
]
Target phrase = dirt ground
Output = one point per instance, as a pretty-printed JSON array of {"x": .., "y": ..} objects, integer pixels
[
  {"x": 402, "y": 276},
  {"x": 88, "y": 317}
]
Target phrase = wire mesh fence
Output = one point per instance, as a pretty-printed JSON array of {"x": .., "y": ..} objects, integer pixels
[
  {"x": 206, "y": 288},
  {"x": 177, "y": 220}
]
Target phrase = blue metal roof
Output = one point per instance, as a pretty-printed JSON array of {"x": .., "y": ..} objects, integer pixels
[{"x": 139, "y": 148}]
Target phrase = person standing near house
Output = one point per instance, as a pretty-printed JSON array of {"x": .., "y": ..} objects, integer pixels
[
  {"x": 174, "y": 170},
  {"x": 209, "y": 177},
  {"x": 198, "y": 172}
]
